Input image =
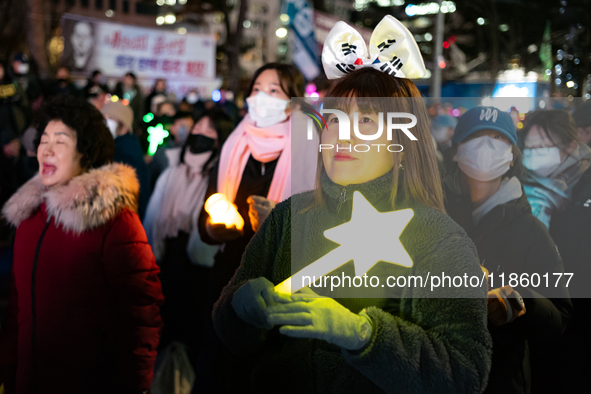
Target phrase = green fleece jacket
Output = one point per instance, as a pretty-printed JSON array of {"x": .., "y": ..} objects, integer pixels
[{"x": 420, "y": 344}]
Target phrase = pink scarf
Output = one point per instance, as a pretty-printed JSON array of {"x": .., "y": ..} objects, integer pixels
[{"x": 265, "y": 145}]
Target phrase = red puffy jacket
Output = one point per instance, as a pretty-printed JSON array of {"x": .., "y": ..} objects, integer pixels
[{"x": 83, "y": 314}]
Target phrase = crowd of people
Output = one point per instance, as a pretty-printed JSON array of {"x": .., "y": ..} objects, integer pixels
[{"x": 119, "y": 269}]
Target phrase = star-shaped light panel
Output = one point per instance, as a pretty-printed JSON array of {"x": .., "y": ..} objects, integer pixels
[
  {"x": 156, "y": 137},
  {"x": 370, "y": 236}
]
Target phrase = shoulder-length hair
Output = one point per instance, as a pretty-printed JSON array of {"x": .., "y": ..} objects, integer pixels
[
  {"x": 291, "y": 79},
  {"x": 421, "y": 181}
]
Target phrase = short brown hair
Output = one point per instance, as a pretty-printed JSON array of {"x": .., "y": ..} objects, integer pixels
[{"x": 421, "y": 181}]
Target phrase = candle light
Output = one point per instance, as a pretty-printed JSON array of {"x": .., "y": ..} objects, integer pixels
[{"x": 221, "y": 210}]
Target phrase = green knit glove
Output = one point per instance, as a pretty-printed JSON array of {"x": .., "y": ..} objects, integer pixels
[
  {"x": 312, "y": 316},
  {"x": 252, "y": 299}
]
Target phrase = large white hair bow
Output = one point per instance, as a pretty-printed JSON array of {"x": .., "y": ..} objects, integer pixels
[{"x": 392, "y": 49}]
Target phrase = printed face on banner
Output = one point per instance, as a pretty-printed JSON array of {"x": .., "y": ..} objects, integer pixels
[
  {"x": 79, "y": 45},
  {"x": 82, "y": 41},
  {"x": 117, "y": 49}
]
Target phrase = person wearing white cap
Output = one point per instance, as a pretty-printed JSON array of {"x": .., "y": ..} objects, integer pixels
[{"x": 119, "y": 118}]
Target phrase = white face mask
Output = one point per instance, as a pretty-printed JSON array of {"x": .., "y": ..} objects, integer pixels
[
  {"x": 23, "y": 68},
  {"x": 266, "y": 110},
  {"x": 440, "y": 134},
  {"x": 484, "y": 158},
  {"x": 112, "y": 125},
  {"x": 542, "y": 164},
  {"x": 192, "y": 98}
]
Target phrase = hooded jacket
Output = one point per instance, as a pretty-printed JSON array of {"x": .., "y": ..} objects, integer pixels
[
  {"x": 419, "y": 344},
  {"x": 509, "y": 239},
  {"x": 83, "y": 315}
]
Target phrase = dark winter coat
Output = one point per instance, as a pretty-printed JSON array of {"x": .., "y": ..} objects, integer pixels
[
  {"x": 136, "y": 103},
  {"x": 83, "y": 314},
  {"x": 509, "y": 239},
  {"x": 419, "y": 344},
  {"x": 571, "y": 230},
  {"x": 128, "y": 151},
  {"x": 227, "y": 260}
]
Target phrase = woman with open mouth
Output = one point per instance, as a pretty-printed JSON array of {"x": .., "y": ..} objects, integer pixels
[{"x": 83, "y": 314}]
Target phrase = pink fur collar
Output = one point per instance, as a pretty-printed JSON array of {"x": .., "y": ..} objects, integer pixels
[{"x": 87, "y": 201}]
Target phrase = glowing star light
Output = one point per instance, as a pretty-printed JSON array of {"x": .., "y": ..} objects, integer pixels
[
  {"x": 156, "y": 137},
  {"x": 369, "y": 237}
]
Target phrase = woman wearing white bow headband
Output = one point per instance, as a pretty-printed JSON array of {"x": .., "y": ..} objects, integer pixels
[
  {"x": 403, "y": 339},
  {"x": 485, "y": 197}
]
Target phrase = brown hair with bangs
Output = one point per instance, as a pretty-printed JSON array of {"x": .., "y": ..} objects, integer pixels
[
  {"x": 554, "y": 123},
  {"x": 291, "y": 80},
  {"x": 421, "y": 180}
]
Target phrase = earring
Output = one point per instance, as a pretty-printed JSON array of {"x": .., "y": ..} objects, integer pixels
[{"x": 401, "y": 166}]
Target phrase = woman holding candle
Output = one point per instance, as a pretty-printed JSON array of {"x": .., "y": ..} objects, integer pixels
[
  {"x": 254, "y": 173},
  {"x": 402, "y": 339}
]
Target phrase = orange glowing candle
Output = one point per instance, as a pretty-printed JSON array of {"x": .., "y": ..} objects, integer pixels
[{"x": 221, "y": 210}]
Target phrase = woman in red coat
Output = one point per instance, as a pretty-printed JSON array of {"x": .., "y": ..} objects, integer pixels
[{"x": 83, "y": 314}]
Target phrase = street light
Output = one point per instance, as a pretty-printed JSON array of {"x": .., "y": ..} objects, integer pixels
[
  {"x": 281, "y": 32},
  {"x": 170, "y": 19}
]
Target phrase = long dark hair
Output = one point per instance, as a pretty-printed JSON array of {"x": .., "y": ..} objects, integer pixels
[{"x": 223, "y": 125}]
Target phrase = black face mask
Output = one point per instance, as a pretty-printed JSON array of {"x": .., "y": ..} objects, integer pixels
[{"x": 198, "y": 143}]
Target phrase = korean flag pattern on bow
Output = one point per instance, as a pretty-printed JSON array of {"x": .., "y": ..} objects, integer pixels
[{"x": 392, "y": 49}]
